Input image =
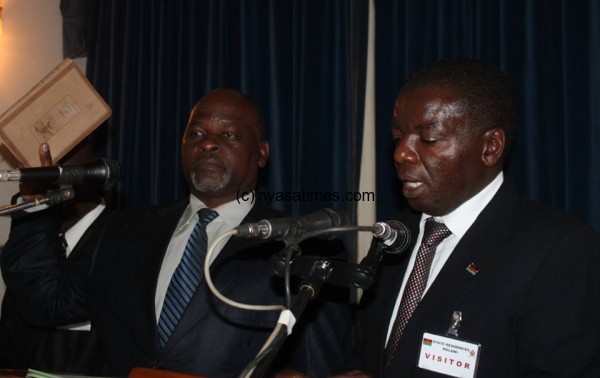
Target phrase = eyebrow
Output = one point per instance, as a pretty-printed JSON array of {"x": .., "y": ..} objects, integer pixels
[
  {"x": 224, "y": 123},
  {"x": 437, "y": 127},
  {"x": 430, "y": 126}
]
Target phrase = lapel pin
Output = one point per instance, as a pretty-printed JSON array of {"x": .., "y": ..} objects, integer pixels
[
  {"x": 454, "y": 324},
  {"x": 471, "y": 268}
]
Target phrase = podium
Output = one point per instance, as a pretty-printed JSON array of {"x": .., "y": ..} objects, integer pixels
[
  {"x": 140, "y": 372},
  {"x": 136, "y": 372}
]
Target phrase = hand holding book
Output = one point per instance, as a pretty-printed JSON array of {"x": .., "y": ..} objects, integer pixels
[{"x": 61, "y": 110}]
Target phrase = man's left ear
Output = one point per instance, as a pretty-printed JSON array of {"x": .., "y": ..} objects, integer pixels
[
  {"x": 263, "y": 153},
  {"x": 494, "y": 144}
]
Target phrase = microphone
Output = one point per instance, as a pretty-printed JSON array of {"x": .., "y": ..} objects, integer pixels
[
  {"x": 388, "y": 237},
  {"x": 99, "y": 171},
  {"x": 394, "y": 235},
  {"x": 282, "y": 228}
]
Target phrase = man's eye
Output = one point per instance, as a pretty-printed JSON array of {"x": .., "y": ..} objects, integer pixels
[
  {"x": 396, "y": 136},
  {"x": 429, "y": 138}
]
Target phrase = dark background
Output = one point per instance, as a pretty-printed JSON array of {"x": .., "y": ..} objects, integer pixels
[{"x": 304, "y": 62}]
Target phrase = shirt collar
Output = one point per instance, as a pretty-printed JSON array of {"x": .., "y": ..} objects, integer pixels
[
  {"x": 73, "y": 234},
  {"x": 461, "y": 219},
  {"x": 231, "y": 213}
]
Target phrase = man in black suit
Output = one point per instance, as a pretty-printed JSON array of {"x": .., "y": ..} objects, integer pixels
[
  {"x": 495, "y": 285},
  {"x": 72, "y": 348},
  {"x": 131, "y": 266}
]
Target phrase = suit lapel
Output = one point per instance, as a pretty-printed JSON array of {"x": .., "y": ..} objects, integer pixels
[
  {"x": 201, "y": 303},
  {"x": 159, "y": 227},
  {"x": 90, "y": 233},
  {"x": 237, "y": 244},
  {"x": 480, "y": 246}
]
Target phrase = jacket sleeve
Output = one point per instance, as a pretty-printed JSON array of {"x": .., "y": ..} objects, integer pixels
[
  {"x": 49, "y": 290},
  {"x": 558, "y": 326}
]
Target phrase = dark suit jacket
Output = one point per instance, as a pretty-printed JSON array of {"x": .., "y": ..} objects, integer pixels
[
  {"x": 534, "y": 304},
  {"x": 47, "y": 348},
  {"x": 212, "y": 338}
]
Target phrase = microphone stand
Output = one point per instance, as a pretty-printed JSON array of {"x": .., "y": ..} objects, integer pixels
[
  {"x": 316, "y": 271},
  {"x": 344, "y": 274},
  {"x": 309, "y": 288},
  {"x": 52, "y": 197}
]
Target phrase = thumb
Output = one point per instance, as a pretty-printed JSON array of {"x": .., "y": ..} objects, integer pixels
[{"x": 45, "y": 155}]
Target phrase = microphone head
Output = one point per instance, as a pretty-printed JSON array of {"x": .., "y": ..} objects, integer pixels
[
  {"x": 323, "y": 220},
  {"x": 315, "y": 224},
  {"x": 338, "y": 217},
  {"x": 113, "y": 168},
  {"x": 103, "y": 171},
  {"x": 395, "y": 234}
]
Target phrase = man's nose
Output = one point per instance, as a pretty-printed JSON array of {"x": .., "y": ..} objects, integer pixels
[
  {"x": 404, "y": 152},
  {"x": 210, "y": 144}
]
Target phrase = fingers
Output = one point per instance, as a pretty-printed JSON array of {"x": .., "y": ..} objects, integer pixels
[
  {"x": 33, "y": 190},
  {"x": 45, "y": 155}
]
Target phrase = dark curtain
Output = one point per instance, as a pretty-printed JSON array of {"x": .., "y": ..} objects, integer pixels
[
  {"x": 550, "y": 49},
  {"x": 73, "y": 17},
  {"x": 302, "y": 61}
]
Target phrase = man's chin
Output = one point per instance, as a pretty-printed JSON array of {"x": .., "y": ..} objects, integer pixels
[
  {"x": 209, "y": 187},
  {"x": 418, "y": 205},
  {"x": 212, "y": 185}
]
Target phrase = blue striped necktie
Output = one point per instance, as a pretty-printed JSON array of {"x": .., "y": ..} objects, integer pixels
[{"x": 186, "y": 278}]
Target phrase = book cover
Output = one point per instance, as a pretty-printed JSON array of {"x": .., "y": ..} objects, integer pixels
[{"x": 61, "y": 110}]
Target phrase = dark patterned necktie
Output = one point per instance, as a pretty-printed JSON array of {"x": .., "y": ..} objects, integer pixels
[
  {"x": 186, "y": 278},
  {"x": 434, "y": 233}
]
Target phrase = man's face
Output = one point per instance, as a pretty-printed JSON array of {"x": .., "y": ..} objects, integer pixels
[
  {"x": 438, "y": 156},
  {"x": 221, "y": 149}
]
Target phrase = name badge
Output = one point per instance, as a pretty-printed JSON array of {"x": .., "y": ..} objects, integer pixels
[{"x": 450, "y": 356}]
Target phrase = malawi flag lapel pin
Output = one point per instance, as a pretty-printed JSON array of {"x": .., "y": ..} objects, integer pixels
[{"x": 471, "y": 268}]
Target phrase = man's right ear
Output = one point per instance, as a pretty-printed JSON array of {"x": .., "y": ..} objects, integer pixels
[{"x": 494, "y": 145}]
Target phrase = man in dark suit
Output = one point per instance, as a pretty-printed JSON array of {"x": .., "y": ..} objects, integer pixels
[
  {"x": 132, "y": 267},
  {"x": 495, "y": 286},
  {"x": 72, "y": 348}
]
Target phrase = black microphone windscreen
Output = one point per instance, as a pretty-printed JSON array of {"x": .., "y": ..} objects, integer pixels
[
  {"x": 402, "y": 240},
  {"x": 114, "y": 172}
]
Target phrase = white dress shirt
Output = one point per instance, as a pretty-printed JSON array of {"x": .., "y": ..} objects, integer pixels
[
  {"x": 72, "y": 236},
  {"x": 230, "y": 216},
  {"x": 458, "y": 222}
]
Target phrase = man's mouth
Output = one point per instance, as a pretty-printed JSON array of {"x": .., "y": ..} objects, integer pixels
[
  {"x": 412, "y": 189},
  {"x": 412, "y": 184},
  {"x": 208, "y": 164}
]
